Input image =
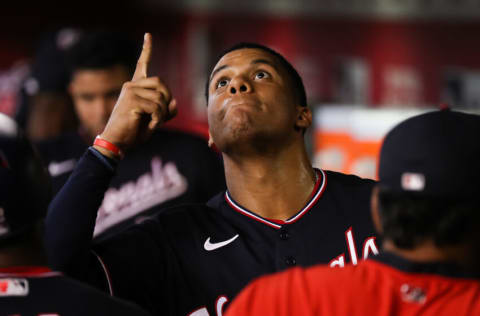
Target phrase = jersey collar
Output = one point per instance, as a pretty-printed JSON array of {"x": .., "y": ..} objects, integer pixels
[
  {"x": 317, "y": 192},
  {"x": 27, "y": 271},
  {"x": 445, "y": 269}
]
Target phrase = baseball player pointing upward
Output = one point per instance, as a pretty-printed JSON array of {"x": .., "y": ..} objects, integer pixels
[
  {"x": 277, "y": 212},
  {"x": 255, "y": 119}
]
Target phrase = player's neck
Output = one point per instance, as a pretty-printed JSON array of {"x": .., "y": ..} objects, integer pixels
[
  {"x": 427, "y": 252},
  {"x": 26, "y": 253},
  {"x": 274, "y": 187}
]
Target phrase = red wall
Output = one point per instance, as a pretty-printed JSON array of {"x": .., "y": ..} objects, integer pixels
[{"x": 312, "y": 44}]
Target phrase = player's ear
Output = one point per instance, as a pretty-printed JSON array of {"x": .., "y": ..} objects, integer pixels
[
  {"x": 70, "y": 88},
  {"x": 210, "y": 140},
  {"x": 304, "y": 117},
  {"x": 375, "y": 211}
]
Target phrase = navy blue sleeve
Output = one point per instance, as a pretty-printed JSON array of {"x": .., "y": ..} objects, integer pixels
[{"x": 71, "y": 216}]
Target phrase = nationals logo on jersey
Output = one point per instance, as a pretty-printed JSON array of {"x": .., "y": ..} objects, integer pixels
[
  {"x": 369, "y": 247},
  {"x": 163, "y": 183}
]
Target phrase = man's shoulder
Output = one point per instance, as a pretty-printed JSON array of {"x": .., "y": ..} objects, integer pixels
[
  {"x": 189, "y": 215},
  {"x": 349, "y": 274},
  {"x": 66, "y": 146},
  {"x": 212, "y": 205},
  {"x": 320, "y": 279},
  {"x": 348, "y": 179},
  {"x": 187, "y": 209},
  {"x": 348, "y": 183},
  {"x": 315, "y": 276},
  {"x": 278, "y": 293},
  {"x": 79, "y": 297}
]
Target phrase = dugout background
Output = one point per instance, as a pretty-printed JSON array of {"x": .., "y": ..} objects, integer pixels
[{"x": 355, "y": 56}]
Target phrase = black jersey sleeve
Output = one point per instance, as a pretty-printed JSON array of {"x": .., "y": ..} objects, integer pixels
[
  {"x": 59, "y": 295},
  {"x": 71, "y": 216},
  {"x": 135, "y": 263}
]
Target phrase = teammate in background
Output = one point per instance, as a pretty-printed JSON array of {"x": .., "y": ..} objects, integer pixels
[
  {"x": 45, "y": 109},
  {"x": 277, "y": 212},
  {"x": 27, "y": 286},
  {"x": 426, "y": 208},
  {"x": 171, "y": 168}
]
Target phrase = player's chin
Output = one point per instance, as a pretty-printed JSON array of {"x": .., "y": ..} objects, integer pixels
[
  {"x": 240, "y": 138},
  {"x": 240, "y": 123}
]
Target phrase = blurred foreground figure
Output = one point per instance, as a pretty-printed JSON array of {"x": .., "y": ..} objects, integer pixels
[
  {"x": 426, "y": 208},
  {"x": 170, "y": 168},
  {"x": 27, "y": 286},
  {"x": 46, "y": 109},
  {"x": 278, "y": 210}
]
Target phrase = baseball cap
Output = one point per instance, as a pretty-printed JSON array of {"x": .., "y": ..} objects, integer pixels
[
  {"x": 436, "y": 154},
  {"x": 24, "y": 182},
  {"x": 50, "y": 72}
]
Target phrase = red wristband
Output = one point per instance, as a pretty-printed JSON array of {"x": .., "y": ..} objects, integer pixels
[{"x": 100, "y": 142}]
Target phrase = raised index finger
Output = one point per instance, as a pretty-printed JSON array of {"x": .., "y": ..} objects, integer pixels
[{"x": 144, "y": 59}]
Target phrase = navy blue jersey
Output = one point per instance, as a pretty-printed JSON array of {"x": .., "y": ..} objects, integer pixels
[
  {"x": 193, "y": 259},
  {"x": 35, "y": 291},
  {"x": 169, "y": 169}
]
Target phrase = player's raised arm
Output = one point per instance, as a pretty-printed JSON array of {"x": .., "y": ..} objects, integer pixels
[{"x": 144, "y": 103}]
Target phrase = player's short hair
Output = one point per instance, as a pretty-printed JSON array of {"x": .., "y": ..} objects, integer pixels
[
  {"x": 102, "y": 50},
  {"x": 408, "y": 220},
  {"x": 295, "y": 79}
]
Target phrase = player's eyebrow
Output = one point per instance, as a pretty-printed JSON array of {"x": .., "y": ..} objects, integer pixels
[
  {"x": 217, "y": 70},
  {"x": 265, "y": 61},
  {"x": 253, "y": 62}
]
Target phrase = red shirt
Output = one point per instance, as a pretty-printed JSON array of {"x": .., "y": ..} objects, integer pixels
[{"x": 385, "y": 286}]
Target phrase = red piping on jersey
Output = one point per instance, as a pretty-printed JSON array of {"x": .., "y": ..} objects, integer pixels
[
  {"x": 276, "y": 221},
  {"x": 317, "y": 192},
  {"x": 318, "y": 182},
  {"x": 107, "y": 273},
  {"x": 28, "y": 271}
]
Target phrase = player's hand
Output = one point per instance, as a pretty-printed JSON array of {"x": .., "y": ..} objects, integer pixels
[{"x": 144, "y": 104}]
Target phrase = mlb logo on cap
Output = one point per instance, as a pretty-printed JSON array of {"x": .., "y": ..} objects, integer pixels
[
  {"x": 413, "y": 181},
  {"x": 433, "y": 155}
]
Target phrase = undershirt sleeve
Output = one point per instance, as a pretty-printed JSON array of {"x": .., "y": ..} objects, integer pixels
[
  {"x": 129, "y": 265},
  {"x": 134, "y": 262},
  {"x": 71, "y": 217}
]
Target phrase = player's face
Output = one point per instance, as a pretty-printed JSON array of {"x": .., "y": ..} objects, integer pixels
[
  {"x": 250, "y": 98},
  {"x": 95, "y": 93}
]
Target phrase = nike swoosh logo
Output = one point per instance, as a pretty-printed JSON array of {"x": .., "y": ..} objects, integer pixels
[
  {"x": 212, "y": 246},
  {"x": 57, "y": 168}
]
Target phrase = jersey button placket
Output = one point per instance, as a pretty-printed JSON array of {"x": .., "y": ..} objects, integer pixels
[
  {"x": 286, "y": 245},
  {"x": 290, "y": 261},
  {"x": 284, "y": 235}
]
